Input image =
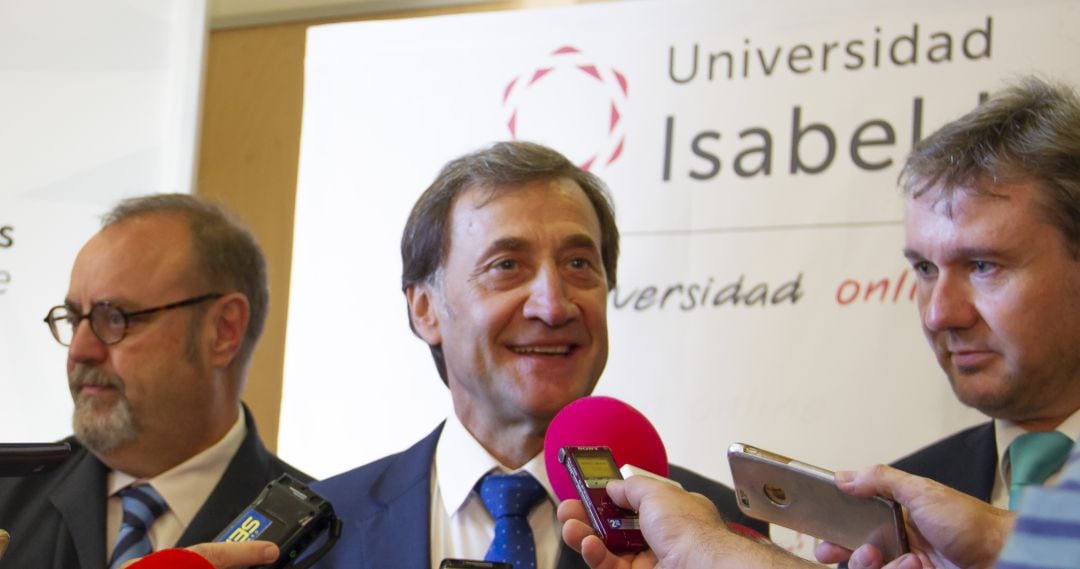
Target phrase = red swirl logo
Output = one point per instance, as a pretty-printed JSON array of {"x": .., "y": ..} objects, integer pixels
[{"x": 572, "y": 103}]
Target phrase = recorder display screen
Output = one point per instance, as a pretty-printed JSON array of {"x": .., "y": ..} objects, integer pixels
[{"x": 596, "y": 465}]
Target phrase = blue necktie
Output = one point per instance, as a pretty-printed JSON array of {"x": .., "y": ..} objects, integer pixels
[
  {"x": 1033, "y": 458},
  {"x": 142, "y": 505},
  {"x": 510, "y": 498}
]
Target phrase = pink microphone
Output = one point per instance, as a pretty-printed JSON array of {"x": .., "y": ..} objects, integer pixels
[
  {"x": 606, "y": 421},
  {"x": 602, "y": 421}
]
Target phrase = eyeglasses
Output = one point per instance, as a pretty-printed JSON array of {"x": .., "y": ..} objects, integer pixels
[{"x": 109, "y": 323}]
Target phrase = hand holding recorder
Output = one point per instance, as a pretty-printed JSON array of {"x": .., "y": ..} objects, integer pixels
[
  {"x": 683, "y": 529},
  {"x": 271, "y": 533},
  {"x": 591, "y": 468}
]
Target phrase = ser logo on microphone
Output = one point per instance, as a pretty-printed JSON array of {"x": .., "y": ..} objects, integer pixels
[{"x": 247, "y": 527}]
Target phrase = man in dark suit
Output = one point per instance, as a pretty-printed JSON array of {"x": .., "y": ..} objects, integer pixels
[
  {"x": 508, "y": 258},
  {"x": 992, "y": 228},
  {"x": 993, "y": 232},
  {"x": 163, "y": 311}
]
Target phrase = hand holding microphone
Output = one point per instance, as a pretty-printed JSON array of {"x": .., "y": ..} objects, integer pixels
[
  {"x": 676, "y": 524},
  {"x": 273, "y": 532},
  {"x": 602, "y": 421},
  {"x": 673, "y": 522}
]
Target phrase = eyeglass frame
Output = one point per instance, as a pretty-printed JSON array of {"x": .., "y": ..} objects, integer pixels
[{"x": 127, "y": 316}]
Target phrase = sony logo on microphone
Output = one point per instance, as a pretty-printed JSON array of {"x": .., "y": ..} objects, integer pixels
[{"x": 7, "y": 236}]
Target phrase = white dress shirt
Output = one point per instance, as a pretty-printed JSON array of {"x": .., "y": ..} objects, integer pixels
[
  {"x": 185, "y": 487},
  {"x": 1006, "y": 432},
  {"x": 461, "y": 526}
]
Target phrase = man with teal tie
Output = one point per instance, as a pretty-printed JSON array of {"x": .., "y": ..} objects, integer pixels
[
  {"x": 992, "y": 229},
  {"x": 993, "y": 232}
]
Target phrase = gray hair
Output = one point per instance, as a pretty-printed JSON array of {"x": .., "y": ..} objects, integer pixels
[
  {"x": 1029, "y": 131},
  {"x": 227, "y": 256}
]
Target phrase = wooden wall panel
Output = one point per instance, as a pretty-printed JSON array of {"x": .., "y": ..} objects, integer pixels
[{"x": 249, "y": 145}]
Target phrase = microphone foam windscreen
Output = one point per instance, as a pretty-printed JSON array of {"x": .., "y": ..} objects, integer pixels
[{"x": 602, "y": 421}]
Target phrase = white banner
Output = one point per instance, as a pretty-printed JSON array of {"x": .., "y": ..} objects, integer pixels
[
  {"x": 99, "y": 102},
  {"x": 752, "y": 149}
]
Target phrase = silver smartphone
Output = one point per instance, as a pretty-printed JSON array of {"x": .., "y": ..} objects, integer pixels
[{"x": 802, "y": 497}]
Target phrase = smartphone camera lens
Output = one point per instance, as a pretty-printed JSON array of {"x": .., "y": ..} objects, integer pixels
[{"x": 777, "y": 495}]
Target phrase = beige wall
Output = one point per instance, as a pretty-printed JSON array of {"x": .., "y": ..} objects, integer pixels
[
  {"x": 247, "y": 161},
  {"x": 248, "y": 156}
]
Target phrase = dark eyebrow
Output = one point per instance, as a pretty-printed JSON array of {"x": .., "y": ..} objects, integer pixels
[
  {"x": 577, "y": 240},
  {"x": 911, "y": 255},
  {"x": 505, "y": 244},
  {"x": 978, "y": 252},
  {"x": 119, "y": 303},
  {"x": 500, "y": 245},
  {"x": 963, "y": 253},
  {"x": 581, "y": 240}
]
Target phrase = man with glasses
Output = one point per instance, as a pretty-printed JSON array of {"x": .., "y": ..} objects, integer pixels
[
  {"x": 163, "y": 312},
  {"x": 508, "y": 258}
]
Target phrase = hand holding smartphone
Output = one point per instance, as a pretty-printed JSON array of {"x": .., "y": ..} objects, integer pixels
[
  {"x": 805, "y": 498},
  {"x": 591, "y": 468}
]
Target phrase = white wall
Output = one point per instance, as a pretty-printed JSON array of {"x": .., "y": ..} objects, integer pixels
[{"x": 100, "y": 101}]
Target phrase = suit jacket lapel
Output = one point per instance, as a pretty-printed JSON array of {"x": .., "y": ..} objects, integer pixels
[
  {"x": 982, "y": 449},
  {"x": 396, "y": 533},
  {"x": 966, "y": 461},
  {"x": 84, "y": 517},
  {"x": 972, "y": 464},
  {"x": 233, "y": 493}
]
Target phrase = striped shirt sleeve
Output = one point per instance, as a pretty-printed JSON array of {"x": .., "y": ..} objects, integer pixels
[{"x": 1047, "y": 532}]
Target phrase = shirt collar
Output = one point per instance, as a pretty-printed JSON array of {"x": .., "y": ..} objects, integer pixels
[
  {"x": 1006, "y": 432},
  {"x": 460, "y": 462},
  {"x": 186, "y": 486}
]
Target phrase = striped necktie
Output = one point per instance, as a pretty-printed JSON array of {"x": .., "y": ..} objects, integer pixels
[
  {"x": 1033, "y": 457},
  {"x": 510, "y": 498},
  {"x": 142, "y": 505}
]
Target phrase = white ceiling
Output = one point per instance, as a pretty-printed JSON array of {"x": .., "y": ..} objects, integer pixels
[{"x": 234, "y": 13}]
